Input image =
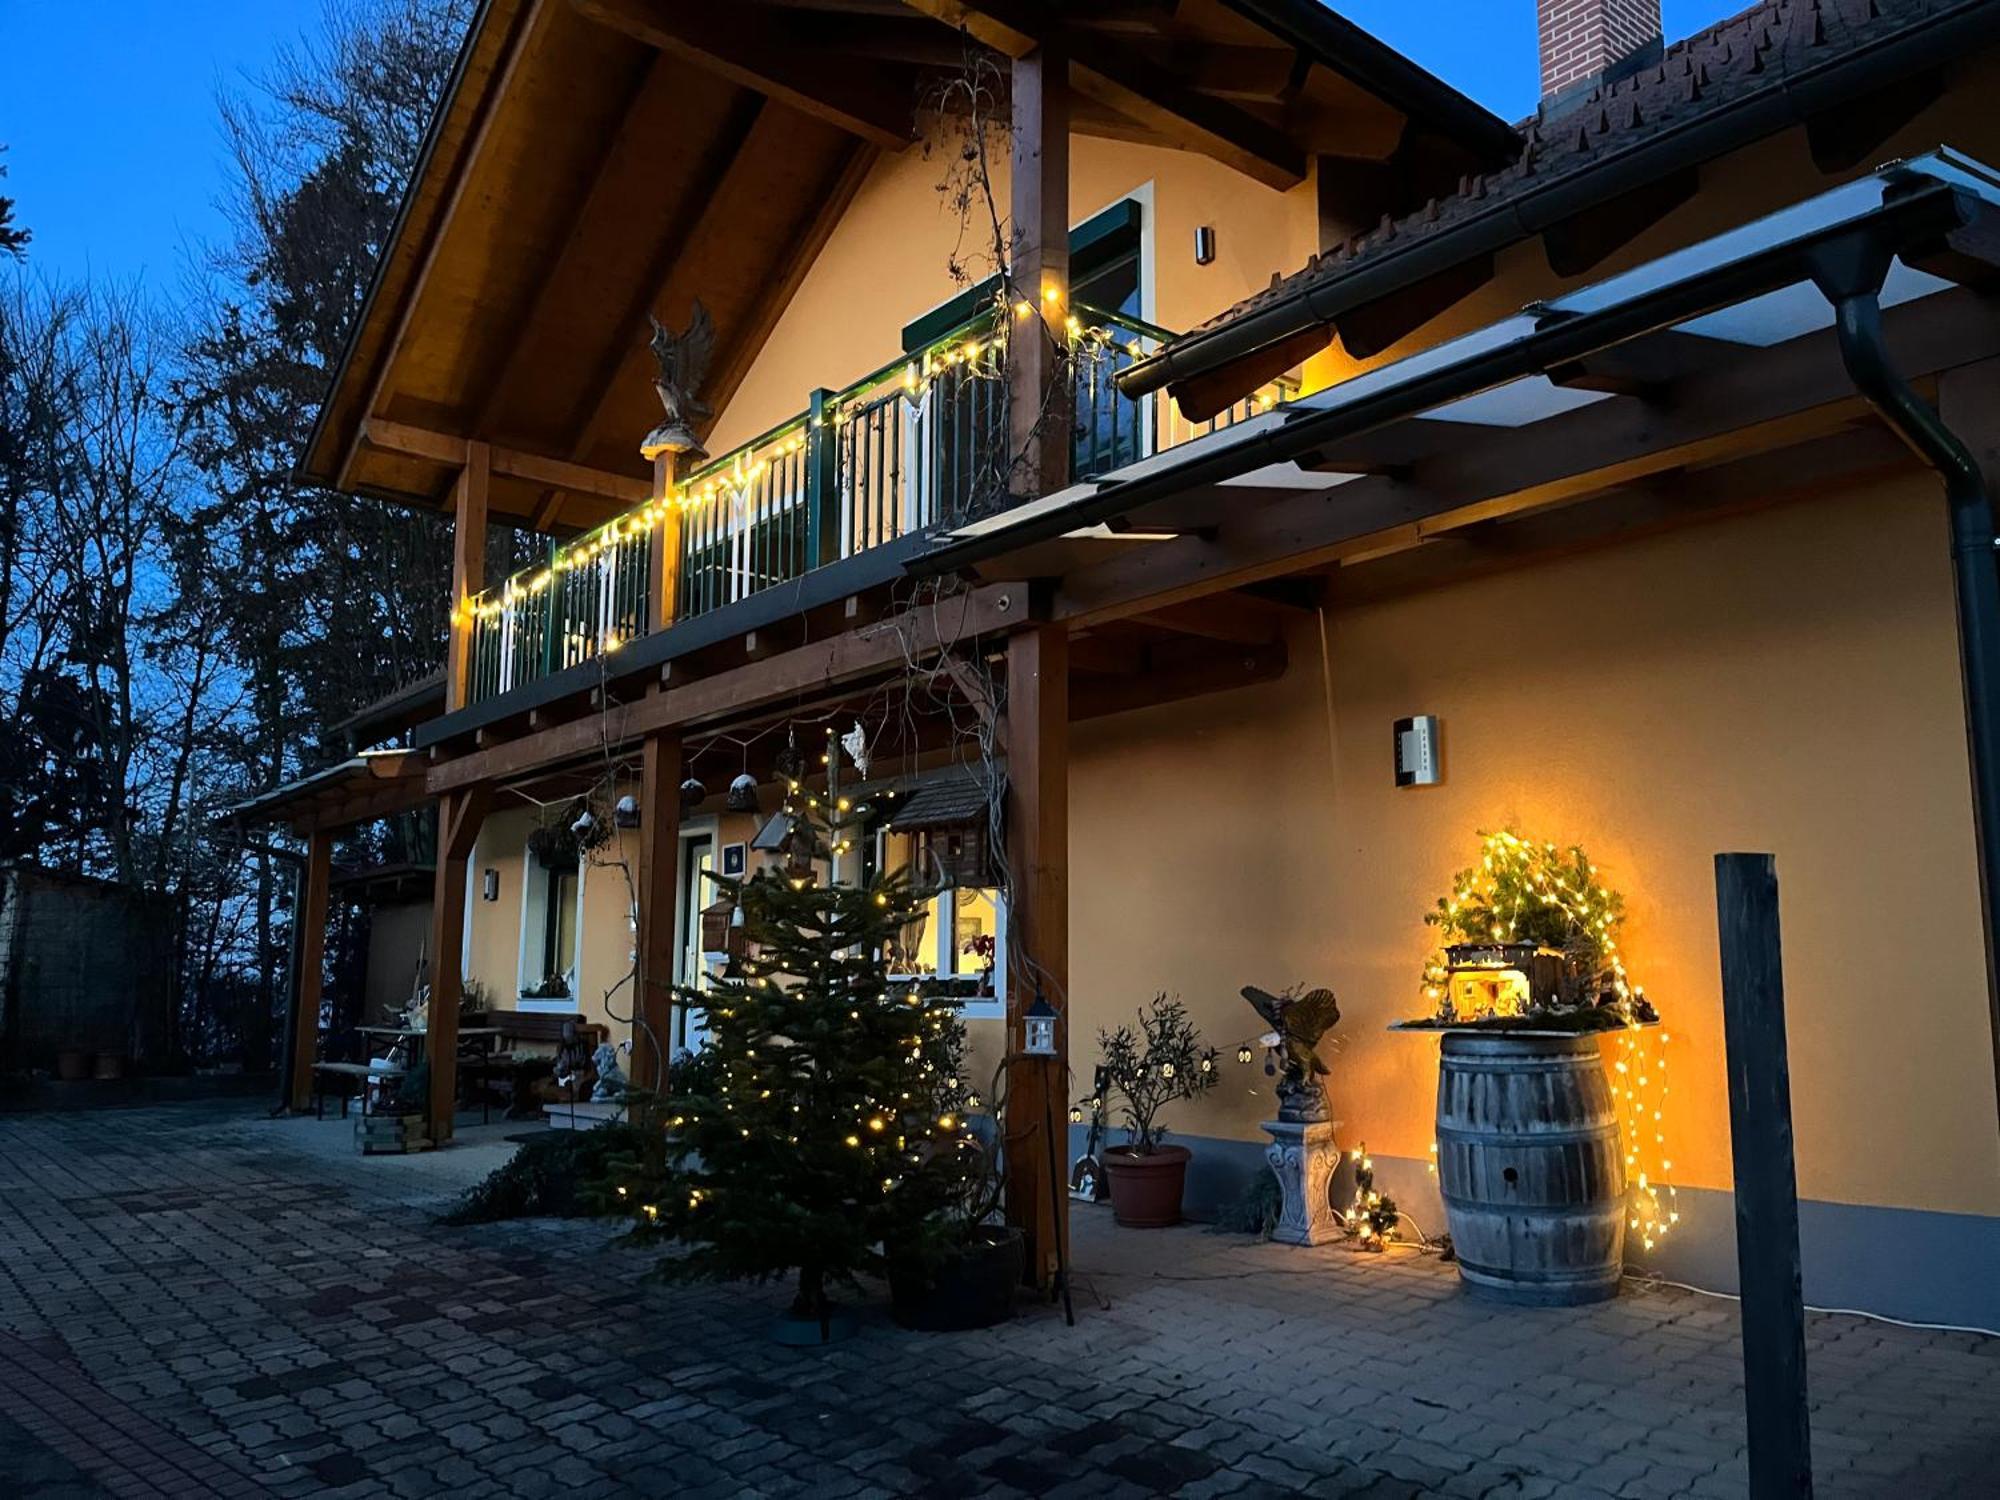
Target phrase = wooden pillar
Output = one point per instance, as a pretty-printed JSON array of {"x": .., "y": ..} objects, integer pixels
[
  {"x": 468, "y": 568},
  {"x": 1767, "y": 1189},
  {"x": 459, "y": 817},
  {"x": 1039, "y": 404},
  {"x": 659, "y": 898},
  {"x": 306, "y": 990},
  {"x": 663, "y": 573},
  {"x": 1037, "y": 853}
]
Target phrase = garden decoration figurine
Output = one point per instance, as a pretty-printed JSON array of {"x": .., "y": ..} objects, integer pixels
[
  {"x": 682, "y": 359},
  {"x": 611, "y": 1083},
  {"x": 1303, "y": 1154},
  {"x": 1298, "y": 1019}
]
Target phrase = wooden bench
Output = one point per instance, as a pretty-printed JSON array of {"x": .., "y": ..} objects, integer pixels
[
  {"x": 363, "y": 1075},
  {"x": 516, "y": 1066}
]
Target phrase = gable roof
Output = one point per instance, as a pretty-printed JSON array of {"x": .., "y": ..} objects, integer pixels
[
  {"x": 594, "y": 161},
  {"x": 1598, "y": 167}
]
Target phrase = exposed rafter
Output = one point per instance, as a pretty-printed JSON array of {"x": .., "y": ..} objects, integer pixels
[{"x": 751, "y": 47}]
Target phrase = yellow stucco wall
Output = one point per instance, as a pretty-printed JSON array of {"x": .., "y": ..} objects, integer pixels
[
  {"x": 1785, "y": 681},
  {"x": 887, "y": 262}
]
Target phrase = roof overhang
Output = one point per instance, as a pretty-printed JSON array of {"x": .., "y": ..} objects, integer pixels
[
  {"x": 595, "y": 161},
  {"x": 1390, "y": 282},
  {"x": 1697, "y": 342},
  {"x": 375, "y": 784}
]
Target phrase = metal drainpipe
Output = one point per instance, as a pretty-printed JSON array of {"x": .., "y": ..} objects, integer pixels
[{"x": 1854, "y": 288}]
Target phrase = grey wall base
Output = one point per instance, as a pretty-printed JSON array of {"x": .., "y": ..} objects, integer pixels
[{"x": 1899, "y": 1262}]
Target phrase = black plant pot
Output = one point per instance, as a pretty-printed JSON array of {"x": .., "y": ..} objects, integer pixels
[{"x": 973, "y": 1290}]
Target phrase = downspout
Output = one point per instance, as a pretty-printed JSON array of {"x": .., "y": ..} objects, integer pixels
[{"x": 1852, "y": 283}]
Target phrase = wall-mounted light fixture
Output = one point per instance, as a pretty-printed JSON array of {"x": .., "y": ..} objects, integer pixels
[
  {"x": 1204, "y": 244},
  {"x": 1417, "y": 762},
  {"x": 489, "y": 885}
]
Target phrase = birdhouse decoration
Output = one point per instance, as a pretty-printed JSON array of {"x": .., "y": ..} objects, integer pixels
[
  {"x": 722, "y": 930},
  {"x": 951, "y": 818}
]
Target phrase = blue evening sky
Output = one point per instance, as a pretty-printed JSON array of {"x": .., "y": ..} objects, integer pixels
[{"x": 116, "y": 158}]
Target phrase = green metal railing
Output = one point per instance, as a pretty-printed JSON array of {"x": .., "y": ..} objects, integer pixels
[{"x": 918, "y": 443}]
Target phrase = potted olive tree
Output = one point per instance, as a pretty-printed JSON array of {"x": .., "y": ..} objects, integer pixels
[{"x": 1147, "y": 1067}]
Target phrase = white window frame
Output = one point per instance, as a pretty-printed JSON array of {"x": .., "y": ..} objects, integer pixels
[
  {"x": 534, "y": 914},
  {"x": 945, "y": 956}
]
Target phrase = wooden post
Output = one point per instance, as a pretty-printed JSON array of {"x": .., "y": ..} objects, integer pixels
[
  {"x": 459, "y": 816},
  {"x": 468, "y": 568},
  {"x": 1767, "y": 1192},
  {"x": 1037, "y": 853},
  {"x": 1039, "y": 404},
  {"x": 311, "y": 917},
  {"x": 659, "y": 898},
  {"x": 664, "y": 571}
]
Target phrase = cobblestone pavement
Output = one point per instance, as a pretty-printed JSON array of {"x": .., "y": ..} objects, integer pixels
[{"x": 197, "y": 1301}]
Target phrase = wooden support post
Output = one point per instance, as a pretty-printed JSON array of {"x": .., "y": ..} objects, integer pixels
[
  {"x": 311, "y": 951},
  {"x": 468, "y": 569},
  {"x": 659, "y": 901},
  {"x": 459, "y": 816},
  {"x": 663, "y": 578},
  {"x": 1037, "y": 854},
  {"x": 1039, "y": 404},
  {"x": 1767, "y": 1191}
]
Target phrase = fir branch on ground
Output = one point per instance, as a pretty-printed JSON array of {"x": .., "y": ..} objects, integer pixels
[{"x": 549, "y": 1177}]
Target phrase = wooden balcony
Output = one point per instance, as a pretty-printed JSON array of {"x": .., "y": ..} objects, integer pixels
[{"x": 917, "y": 444}]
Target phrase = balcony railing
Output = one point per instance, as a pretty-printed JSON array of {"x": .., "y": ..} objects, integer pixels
[{"x": 920, "y": 442}]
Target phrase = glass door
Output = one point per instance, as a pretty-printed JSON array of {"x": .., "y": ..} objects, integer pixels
[{"x": 696, "y": 891}]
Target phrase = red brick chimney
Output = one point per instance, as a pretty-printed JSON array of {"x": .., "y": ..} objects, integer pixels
[{"x": 1582, "y": 40}]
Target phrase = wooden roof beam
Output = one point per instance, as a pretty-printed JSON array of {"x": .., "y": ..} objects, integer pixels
[
  {"x": 443, "y": 448},
  {"x": 1109, "y": 70},
  {"x": 754, "y": 49},
  {"x": 467, "y": 163}
]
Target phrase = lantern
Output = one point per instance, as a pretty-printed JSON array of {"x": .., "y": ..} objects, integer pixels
[{"x": 1038, "y": 1029}]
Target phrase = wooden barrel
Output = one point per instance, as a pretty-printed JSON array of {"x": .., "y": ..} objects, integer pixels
[{"x": 1531, "y": 1168}]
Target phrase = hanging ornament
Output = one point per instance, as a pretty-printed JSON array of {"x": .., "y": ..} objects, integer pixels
[
  {"x": 742, "y": 796},
  {"x": 791, "y": 764},
  {"x": 855, "y": 743},
  {"x": 693, "y": 794}
]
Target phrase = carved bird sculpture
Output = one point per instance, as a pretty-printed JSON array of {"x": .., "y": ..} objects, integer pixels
[
  {"x": 1300, "y": 1020},
  {"x": 683, "y": 365}
]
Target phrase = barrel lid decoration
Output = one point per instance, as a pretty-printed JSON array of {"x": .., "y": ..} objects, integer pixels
[{"x": 1531, "y": 949}]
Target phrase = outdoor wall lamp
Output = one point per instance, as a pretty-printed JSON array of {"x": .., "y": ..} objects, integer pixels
[
  {"x": 1204, "y": 244},
  {"x": 489, "y": 885}
]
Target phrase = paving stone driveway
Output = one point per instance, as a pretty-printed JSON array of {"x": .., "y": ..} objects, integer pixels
[{"x": 197, "y": 1301}]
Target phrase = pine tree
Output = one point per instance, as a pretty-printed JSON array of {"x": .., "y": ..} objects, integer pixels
[{"x": 830, "y": 1117}]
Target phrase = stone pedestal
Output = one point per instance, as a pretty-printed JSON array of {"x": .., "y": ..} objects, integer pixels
[{"x": 1303, "y": 1157}]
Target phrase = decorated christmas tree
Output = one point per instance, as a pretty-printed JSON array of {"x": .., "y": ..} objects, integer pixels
[{"x": 830, "y": 1118}]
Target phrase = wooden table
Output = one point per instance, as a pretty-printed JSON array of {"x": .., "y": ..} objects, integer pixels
[{"x": 413, "y": 1039}]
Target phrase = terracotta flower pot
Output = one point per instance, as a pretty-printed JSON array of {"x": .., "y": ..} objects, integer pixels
[{"x": 1146, "y": 1190}]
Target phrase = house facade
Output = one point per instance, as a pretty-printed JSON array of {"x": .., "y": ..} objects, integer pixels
[{"x": 1250, "y": 454}]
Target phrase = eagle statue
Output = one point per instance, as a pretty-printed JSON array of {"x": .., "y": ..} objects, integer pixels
[
  {"x": 1298, "y": 1018},
  {"x": 683, "y": 364}
]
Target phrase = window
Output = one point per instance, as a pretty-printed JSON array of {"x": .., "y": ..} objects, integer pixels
[
  {"x": 559, "y": 923},
  {"x": 960, "y": 938},
  {"x": 549, "y": 906}
]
